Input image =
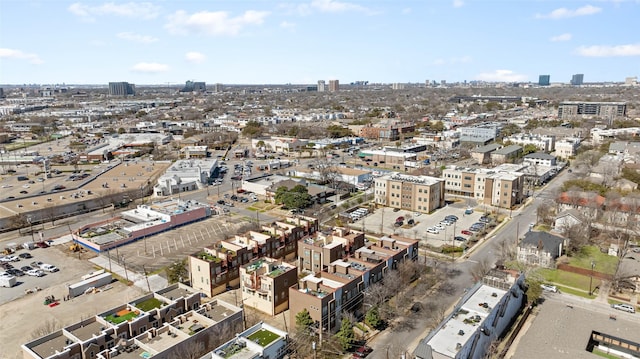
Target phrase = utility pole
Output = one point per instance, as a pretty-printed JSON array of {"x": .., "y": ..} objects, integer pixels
[{"x": 146, "y": 276}]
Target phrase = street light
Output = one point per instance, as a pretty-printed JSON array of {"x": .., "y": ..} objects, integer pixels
[
  {"x": 593, "y": 265},
  {"x": 31, "y": 225}
]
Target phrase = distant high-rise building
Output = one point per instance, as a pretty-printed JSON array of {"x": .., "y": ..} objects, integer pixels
[
  {"x": 218, "y": 87},
  {"x": 121, "y": 89},
  {"x": 543, "y": 80},
  {"x": 443, "y": 82},
  {"x": 321, "y": 86},
  {"x": 334, "y": 85},
  {"x": 427, "y": 83},
  {"x": 397, "y": 86},
  {"x": 629, "y": 81},
  {"x": 577, "y": 79},
  {"x": 191, "y": 86}
]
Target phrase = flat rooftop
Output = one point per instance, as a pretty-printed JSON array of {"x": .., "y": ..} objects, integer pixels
[
  {"x": 86, "y": 331},
  {"x": 49, "y": 348},
  {"x": 164, "y": 341},
  {"x": 559, "y": 331},
  {"x": 218, "y": 312},
  {"x": 459, "y": 328},
  {"x": 175, "y": 293}
]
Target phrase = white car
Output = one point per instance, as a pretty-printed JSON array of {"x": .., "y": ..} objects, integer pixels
[
  {"x": 549, "y": 288},
  {"x": 35, "y": 272},
  {"x": 624, "y": 307},
  {"x": 10, "y": 258},
  {"x": 439, "y": 227},
  {"x": 433, "y": 230},
  {"x": 444, "y": 223},
  {"x": 49, "y": 267}
]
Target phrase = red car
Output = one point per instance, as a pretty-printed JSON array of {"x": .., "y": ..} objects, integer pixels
[
  {"x": 362, "y": 352},
  {"x": 466, "y": 232}
]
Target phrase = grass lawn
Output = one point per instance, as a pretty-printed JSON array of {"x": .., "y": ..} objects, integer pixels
[
  {"x": 600, "y": 353},
  {"x": 604, "y": 262},
  {"x": 149, "y": 304},
  {"x": 113, "y": 318},
  {"x": 263, "y": 337},
  {"x": 568, "y": 279},
  {"x": 579, "y": 293}
]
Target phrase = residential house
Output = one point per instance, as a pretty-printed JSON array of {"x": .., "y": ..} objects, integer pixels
[
  {"x": 588, "y": 204},
  {"x": 567, "y": 219},
  {"x": 506, "y": 154},
  {"x": 540, "y": 249},
  {"x": 539, "y": 159}
]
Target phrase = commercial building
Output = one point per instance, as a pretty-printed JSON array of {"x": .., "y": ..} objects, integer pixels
[
  {"x": 121, "y": 89},
  {"x": 322, "y": 86},
  {"x": 186, "y": 175},
  {"x": 161, "y": 325},
  {"x": 264, "y": 284},
  {"x": 544, "y": 80},
  {"x": 191, "y": 86},
  {"x": 577, "y": 109},
  {"x": 545, "y": 143},
  {"x": 480, "y": 134},
  {"x": 259, "y": 341},
  {"x": 278, "y": 144},
  {"x": 577, "y": 79},
  {"x": 395, "y": 160},
  {"x": 496, "y": 187},
  {"x": 390, "y": 131},
  {"x": 334, "y": 85},
  {"x": 482, "y": 316},
  {"x": 539, "y": 159},
  {"x": 599, "y": 135},
  {"x": 414, "y": 193},
  {"x": 136, "y": 224}
]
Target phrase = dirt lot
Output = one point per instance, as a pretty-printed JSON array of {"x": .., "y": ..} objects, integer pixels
[{"x": 26, "y": 312}]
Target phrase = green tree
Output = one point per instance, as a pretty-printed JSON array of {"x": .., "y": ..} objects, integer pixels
[
  {"x": 303, "y": 320},
  {"x": 345, "y": 335},
  {"x": 437, "y": 126},
  {"x": 297, "y": 197},
  {"x": 252, "y": 129},
  {"x": 337, "y": 131},
  {"x": 534, "y": 291},
  {"x": 372, "y": 318},
  {"x": 529, "y": 149},
  {"x": 177, "y": 271},
  {"x": 121, "y": 130}
]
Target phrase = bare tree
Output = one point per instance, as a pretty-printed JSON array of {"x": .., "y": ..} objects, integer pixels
[
  {"x": 47, "y": 327},
  {"x": 480, "y": 269},
  {"x": 193, "y": 349}
]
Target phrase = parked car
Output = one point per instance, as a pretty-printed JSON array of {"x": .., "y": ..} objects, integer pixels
[
  {"x": 445, "y": 223},
  {"x": 459, "y": 238},
  {"x": 433, "y": 230},
  {"x": 466, "y": 232},
  {"x": 400, "y": 219},
  {"x": 26, "y": 268},
  {"x": 35, "y": 272},
  {"x": 451, "y": 217},
  {"x": 36, "y": 264},
  {"x": 549, "y": 288},
  {"x": 624, "y": 307},
  {"x": 362, "y": 352},
  {"x": 49, "y": 268},
  {"x": 11, "y": 258},
  {"x": 439, "y": 227},
  {"x": 25, "y": 255}
]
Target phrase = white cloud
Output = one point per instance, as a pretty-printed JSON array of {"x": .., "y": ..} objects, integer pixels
[
  {"x": 452, "y": 61},
  {"x": 20, "y": 55},
  {"x": 562, "y": 37},
  {"x": 130, "y": 36},
  {"x": 150, "y": 67},
  {"x": 195, "y": 57},
  {"x": 143, "y": 10},
  {"x": 327, "y": 6},
  {"x": 288, "y": 25},
  {"x": 501, "y": 76},
  {"x": 609, "y": 51},
  {"x": 564, "y": 13},
  {"x": 458, "y": 3},
  {"x": 213, "y": 22}
]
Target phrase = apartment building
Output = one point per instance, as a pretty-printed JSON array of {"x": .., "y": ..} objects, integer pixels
[
  {"x": 389, "y": 251},
  {"x": 159, "y": 325},
  {"x": 496, "y": 187},
  {"x": 317, "y": 251},
  {"x": 264, "y": 284},
  {"x": 506, "y": 154},
  {"x": 325, "y": 296},
  {"x": 387, "y": 132},
  {"x": 217, "y": 267},
  {"x": 544, "y": 143},
  {"x": 370, "y": 272},
  {"x": 577, "y": 109},
  {"x": 334, "y": 85},
  {"x": 415, "y": 193},
  {"x": 259, "y": 341},
  {"x": 567, "y": 147}
]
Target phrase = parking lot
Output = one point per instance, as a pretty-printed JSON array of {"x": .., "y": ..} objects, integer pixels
[
  {"x": 70, "y": 271},
  {"x": 376, "y": 223}
]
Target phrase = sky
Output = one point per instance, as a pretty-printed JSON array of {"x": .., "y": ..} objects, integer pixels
[{"x": 301, "y": 42}]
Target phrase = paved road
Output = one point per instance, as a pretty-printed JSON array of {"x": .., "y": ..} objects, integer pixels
[{"x": 394, "y": 342}]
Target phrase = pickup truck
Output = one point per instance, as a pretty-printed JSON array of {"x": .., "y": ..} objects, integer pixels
[{"x": 49, "y": 267}]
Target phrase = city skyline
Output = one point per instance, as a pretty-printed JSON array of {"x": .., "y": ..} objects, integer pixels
[{"x": 260, "y": 42}]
